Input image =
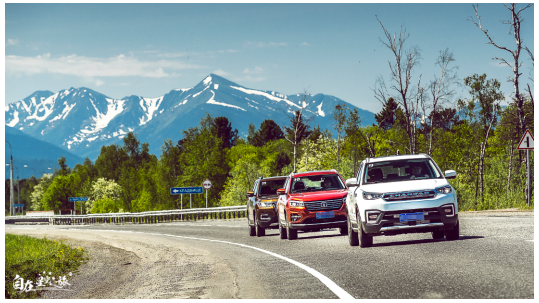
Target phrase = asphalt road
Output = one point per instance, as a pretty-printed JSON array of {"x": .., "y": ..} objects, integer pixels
[{"x": 492, "y": 259}]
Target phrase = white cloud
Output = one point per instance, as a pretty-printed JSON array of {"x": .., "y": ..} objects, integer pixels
[
  {"x": 12, "y": 41},
  {"x": 94, "y": 67},
  {"x": 257, "y": 70},
  {"x": 264, "y": 44},
  {"x": 99, "y": 82},
  {"x": 305, "y": 44},
  {"x": 220, "y": 72}
]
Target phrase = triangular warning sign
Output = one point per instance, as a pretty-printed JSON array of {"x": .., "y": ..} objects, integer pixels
[{"x": 527, "y": 141}]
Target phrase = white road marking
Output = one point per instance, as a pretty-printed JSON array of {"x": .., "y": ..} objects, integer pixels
[{"x": 337, "y": 290}]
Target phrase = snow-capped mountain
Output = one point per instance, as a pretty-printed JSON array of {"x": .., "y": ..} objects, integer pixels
[{"x": 82, "y": 120}]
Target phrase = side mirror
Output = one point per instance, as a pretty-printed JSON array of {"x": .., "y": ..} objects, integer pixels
[
  {"x": 450, "y": 174},
  {"x": 250, "y": 194},
  {"x": 351, "y": 182},
  {"x": 281, "y": 191}
]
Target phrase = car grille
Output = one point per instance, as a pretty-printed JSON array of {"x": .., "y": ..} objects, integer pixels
[
  {"x": 324, "y": 204},
  {"x": 326, "y": 220},
  {"x": 409, "y": 195}
]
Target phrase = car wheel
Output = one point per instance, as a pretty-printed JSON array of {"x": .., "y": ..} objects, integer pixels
[
  {"x": 454, "y": 233},
  {"x": 292, "y": 233},
  {"x": 252, "y": 231},
  {"x": 260, "y": 231},
  {"x": 343, "y": 230},
  {"x": 365, "y": 240},
  {"x": 282, "y": 231},
  {"x": 353, "y": 239},
  {"x": 437, "y": 234}
]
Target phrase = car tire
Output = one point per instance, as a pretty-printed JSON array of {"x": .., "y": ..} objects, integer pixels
[
  {"x": 252, "y": 231},
  {"x": 260, "y": 231},
  {"x": 437, "y": 234},
  {"x": 282, "y": 231},
  {"x": 353, "y": 239},
  {"x": 365, "y": 240},
  {"x": 343, "y": 230},
  {"x": 453, "y": 234},
  {"x": 292, "y": 233}
]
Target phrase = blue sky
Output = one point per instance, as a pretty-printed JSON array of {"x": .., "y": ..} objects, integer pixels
[{"x": 149, "y": 49}]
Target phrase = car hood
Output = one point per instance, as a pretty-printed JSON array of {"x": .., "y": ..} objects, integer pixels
[
  {"x": 320, "y": 195},
  {"x": 268, "y": 197},
  {"x": 390, "y": 187}
]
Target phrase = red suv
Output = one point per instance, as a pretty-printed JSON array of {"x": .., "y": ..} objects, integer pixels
[{"x": 312, "y": 201}]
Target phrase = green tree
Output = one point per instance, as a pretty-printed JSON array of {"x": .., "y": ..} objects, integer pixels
[
  {"x": 269, "y": 131},
  {"x": 486, "y": 94},
  {"x": 56, "y": 197}
]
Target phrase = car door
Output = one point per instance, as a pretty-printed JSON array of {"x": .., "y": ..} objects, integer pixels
[
  {"x": 352, "y": 195},
  {"x": 251, "y": 202},
  {"x": 281, "y": 202}
]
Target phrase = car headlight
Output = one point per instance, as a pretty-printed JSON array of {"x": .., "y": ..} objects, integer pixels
[
  {"x": 444, "y": 190},
  {"x": 266, "y": 204},
  {"x": 296, "y": 204},
  {"x": 371, "y": 196}
]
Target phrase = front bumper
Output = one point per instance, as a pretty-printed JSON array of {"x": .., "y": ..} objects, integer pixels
[
  {"x": 308, "y": 220},
  {"x": 387, "y": 225},
  {"x": 388, "y": 222},
  {"x": 266, "y": 218}
]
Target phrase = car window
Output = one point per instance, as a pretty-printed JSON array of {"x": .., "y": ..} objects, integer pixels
[
  {"x": 254, "y": 186},
  {"x": 400, "y": 170},
  {"x": 316, "y": 183},
  {"x": 358, "y": 173},
  {"x": 270, "y": 187}
]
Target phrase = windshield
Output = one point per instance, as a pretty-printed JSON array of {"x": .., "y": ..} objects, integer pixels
[
  {"x": 270, "y": 187},
  {"x": 401, "y": 170},
  {"x": 316, "y": 183}
]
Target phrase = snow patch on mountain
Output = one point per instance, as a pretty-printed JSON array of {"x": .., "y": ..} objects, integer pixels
[
  {"x": 320, "y": 111},
  {"x": 207, "y": 80},
  {"x": 43, "y": 107},
  {"x": 212, "y": 101},
  {"x": 15, "y": 119},
  {"x": 200, "y": 92},
  {"x": 64, "y": 113},
  {"x": 149, "y": 105},
  {"x": 264, "y": 94},
  {"x": 183, "y": 89}
]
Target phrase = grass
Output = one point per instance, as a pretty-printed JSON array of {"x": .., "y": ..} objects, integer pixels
[{"x": 30, "y": 257}]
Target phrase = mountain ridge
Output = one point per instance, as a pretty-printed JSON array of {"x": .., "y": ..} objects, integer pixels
[{"x": 82, "y": 120}]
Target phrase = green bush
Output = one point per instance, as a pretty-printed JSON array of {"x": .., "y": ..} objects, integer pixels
[{"x": 29, "y": 258}]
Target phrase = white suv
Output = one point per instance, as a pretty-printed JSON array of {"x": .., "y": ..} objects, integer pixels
[{"x": 400, "y": 194}]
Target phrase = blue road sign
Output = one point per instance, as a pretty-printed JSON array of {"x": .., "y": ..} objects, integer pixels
[
  {"x": 18, "y": 205},
  {"x": 75, "y": 199},
  {"x": 185, "y": 190}
]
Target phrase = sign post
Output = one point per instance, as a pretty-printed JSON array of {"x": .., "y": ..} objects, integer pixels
[
  {"x": 207, "y": 185},
  {"x": 526, "y": 143},
  {"x": 75, "y": 199},
  {"x": 186, "y": 190}
]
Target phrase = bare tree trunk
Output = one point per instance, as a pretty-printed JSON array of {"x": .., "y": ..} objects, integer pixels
[
  {"x": 482, "y": 156},
  {"x": 510, "y": 168}
]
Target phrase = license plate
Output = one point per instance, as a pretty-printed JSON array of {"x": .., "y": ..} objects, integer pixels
[
  {"x": 325, "y": 215},
  {"x": 411, "y": 217}
]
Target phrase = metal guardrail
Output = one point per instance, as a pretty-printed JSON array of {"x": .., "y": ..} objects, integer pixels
[{"x": 148, "y": 217}]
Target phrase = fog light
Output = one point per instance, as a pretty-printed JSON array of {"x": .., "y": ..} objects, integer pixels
[
  {"x": 372, "y": 216},
  {"x": 449, "y": 210},
  {"x": 295, "y": 217}
]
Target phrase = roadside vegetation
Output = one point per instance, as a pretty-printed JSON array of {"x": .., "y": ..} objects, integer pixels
[
  {"x": 473, "y": 135},
  {"x": 36, "y": 260}
]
